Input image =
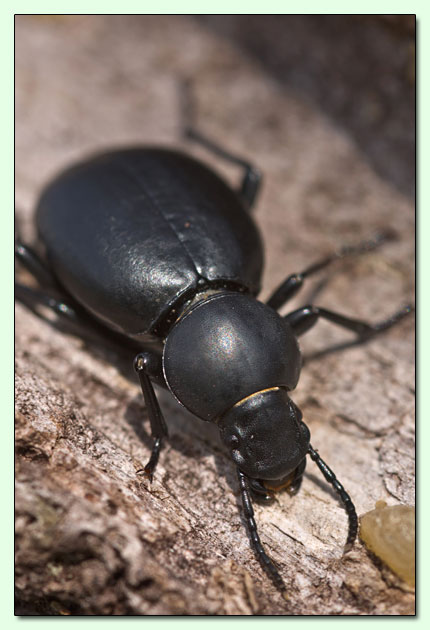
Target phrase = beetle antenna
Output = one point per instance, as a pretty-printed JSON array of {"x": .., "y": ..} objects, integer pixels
[
  {"x": 263, "y": 558},
  {"x": 344, "y": 497}
]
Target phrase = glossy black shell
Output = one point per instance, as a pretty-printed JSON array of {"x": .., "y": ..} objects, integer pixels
[
  {"x": 133, "y": 232},
  {"x": 239, "y": 346}
]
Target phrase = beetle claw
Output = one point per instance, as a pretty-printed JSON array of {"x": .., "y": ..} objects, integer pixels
[{"x": 148, "y": 471}]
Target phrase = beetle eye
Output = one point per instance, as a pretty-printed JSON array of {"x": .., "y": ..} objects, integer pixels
[{"x": 233, "y": 441}]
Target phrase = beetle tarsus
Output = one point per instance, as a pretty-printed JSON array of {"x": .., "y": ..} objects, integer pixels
[{"x": 150, "y": 466}]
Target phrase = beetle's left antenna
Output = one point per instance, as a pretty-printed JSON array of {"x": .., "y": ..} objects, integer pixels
[
  {"x": 264, "y": 559},
  {"x": 344, "y": 497}
]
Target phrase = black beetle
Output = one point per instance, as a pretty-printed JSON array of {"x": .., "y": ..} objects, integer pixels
[{"x": 160, "y": 249}]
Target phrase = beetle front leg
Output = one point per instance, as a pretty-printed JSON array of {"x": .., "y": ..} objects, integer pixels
[
  {"x": 147, "y": 363},
  {"x": 259, "y": 492}
]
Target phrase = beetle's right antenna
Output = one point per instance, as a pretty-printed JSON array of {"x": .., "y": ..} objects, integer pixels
[
  {"x": 344, "y": 497},
  {"x": 263, "y": 558}
]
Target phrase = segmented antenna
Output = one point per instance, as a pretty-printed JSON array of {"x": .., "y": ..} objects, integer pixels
[
  {"x": 344, "y": 497},
  {"x": 262, "y": 556}
]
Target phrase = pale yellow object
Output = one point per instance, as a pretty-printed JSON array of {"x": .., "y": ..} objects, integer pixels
[{"x": 389, "y": 532}]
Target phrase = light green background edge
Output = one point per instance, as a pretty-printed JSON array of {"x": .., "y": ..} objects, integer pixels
[{"x": 7, "y": 11}]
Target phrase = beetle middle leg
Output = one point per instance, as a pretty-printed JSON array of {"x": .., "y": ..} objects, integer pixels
[
  {"x": 34, "y": 264},
  {"x": 294, "y": 282},
  {"x": 36, "y": 297},
  {"x": 145, "y": 364},
  {"x": 306, "y": 317},
  {"x": 50, "y": 296}
]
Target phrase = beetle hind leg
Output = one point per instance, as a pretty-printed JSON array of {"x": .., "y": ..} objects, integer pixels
[
  {"x": 251, "y": 180},
  {"x": 252, "y": 177}
]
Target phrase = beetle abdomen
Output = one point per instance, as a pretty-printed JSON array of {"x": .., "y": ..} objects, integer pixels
[{"x": 130, "y": 232}]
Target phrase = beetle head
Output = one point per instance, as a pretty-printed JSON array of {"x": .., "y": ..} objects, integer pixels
[{"x": 266, "y": 435}]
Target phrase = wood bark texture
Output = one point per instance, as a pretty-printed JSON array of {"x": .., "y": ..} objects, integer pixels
[{"x": 93, "y": 536}]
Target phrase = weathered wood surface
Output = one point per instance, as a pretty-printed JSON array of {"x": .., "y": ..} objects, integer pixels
[{"x": 93, "y": 537}]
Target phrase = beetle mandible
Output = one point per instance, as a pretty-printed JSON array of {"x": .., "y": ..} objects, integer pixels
[{"x": 157, "y": 247}]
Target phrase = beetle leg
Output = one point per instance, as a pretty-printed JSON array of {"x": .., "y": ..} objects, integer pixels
[
  {"x": 35, "y": 297},
  {"x": 297, "y": 479},
  {"x": 263, "y": 558},
  {"x": 259, "y": 492},
  {"x": 304, "y": 318},
  {"x": 343, "y": 495},
  {"x": 291, "y": 285},
  {"x": 34, "y": 264},
  {"x": 145, "y": 363},
  {"x": 252, "y": 176}
]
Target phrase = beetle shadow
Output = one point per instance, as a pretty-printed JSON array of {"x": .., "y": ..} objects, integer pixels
[
  {"x": 334, "y": 349},
  {"x": 188, "y": 435}
]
